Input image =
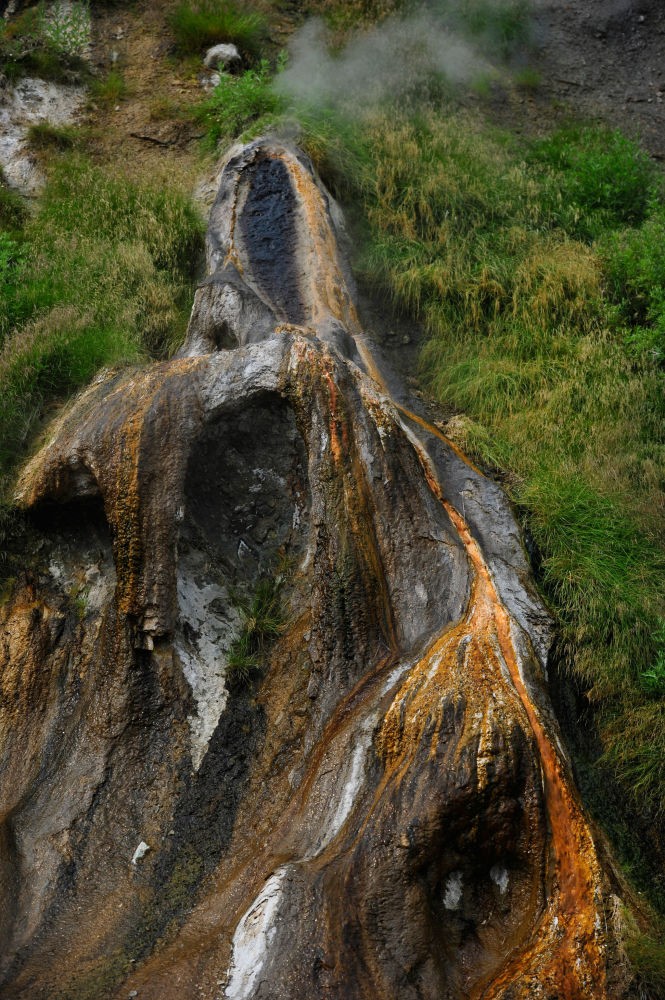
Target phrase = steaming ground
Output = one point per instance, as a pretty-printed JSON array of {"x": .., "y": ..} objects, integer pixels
[
  {"x": 391, "y": 59},
  {"x": 602, "y": 60}
]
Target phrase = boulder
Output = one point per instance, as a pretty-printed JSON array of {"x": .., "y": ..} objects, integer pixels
[{"x": 222, "y": 57}]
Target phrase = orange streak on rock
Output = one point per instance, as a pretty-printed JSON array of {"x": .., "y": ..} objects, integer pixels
[{"x": 566, "y": 950}]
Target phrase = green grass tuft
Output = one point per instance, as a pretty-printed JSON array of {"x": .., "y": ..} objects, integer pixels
[
  {"x": 262, "y": 622},
  {"x": 240, "y": 104},
  {"x": 44, "y": 136},
  {"x": 108, "y": 91},
  {"x": 198, "y": 25}
]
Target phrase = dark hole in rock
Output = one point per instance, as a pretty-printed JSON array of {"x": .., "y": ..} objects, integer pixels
[{"x": 246, "y": 491}]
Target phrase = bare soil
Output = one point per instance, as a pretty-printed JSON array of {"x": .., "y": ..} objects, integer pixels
[{"x": 603, "y": 60}]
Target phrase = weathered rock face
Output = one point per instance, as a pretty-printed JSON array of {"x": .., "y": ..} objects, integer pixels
[{"x": 387, "y": 811}]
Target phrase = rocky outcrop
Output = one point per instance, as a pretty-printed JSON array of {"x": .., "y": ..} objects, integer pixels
[{"x": 387, "y": 810}]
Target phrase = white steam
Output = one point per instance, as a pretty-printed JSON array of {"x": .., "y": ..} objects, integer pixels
[{"x": 389, "y": 60}]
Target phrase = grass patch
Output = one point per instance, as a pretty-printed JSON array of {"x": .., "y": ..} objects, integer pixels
[
  {"x": 646, "y": 954},
  {"x": 13, "y": 210},
  {"x": 101, "y": 275},
  {"x": 528, "y": 80},
  {"x": 198, "y": 25},
  {"x": 240, "y": 105},
  {"x": 44, "y": 136},
  {"x": 109, "y": 90},
  {"x": 263, "y": 621}
]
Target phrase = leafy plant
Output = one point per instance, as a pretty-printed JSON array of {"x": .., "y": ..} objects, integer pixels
[
  {"x": 199, "y": 24},
  {"x": 263, "y": 621},
  {"x": 240, "y": 102},
  {"x": 65, "y": 27},
  {"x": 48, "y": 42}
]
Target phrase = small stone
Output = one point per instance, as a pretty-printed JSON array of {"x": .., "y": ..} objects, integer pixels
[
  {"x": 140, "y": 852},
  {"x": 406, "y": 339},
  {"x": 133, "y": 993},
  {"x": 313, "y": 687},
  {"x": 221, "y": 57}
]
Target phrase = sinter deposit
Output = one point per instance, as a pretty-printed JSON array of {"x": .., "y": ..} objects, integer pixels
[{"x": 386, "y": 812}]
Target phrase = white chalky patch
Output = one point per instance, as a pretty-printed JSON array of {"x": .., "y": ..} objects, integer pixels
[
  {"x": 452, "y": 891},
  {"x": 56, "y": 570},
  {"x": 253, "y": 937},
  {"x": 500, "y": 877},
  {"x": 28, "y": 102},
  {"x": 208, "y": 626},
  {"x": 421, "y": 593},
  {"x": 350, "y": 785},
  {"x": 140, "y": 852}
]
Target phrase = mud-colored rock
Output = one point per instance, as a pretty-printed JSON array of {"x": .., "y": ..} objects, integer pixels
[{"x": 387, "y": 812}]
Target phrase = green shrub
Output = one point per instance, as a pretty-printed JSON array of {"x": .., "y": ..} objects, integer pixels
[
  {"x": 603, "y": 180},
  {"x": 65, "y": 27},
  {"x": 239, "y": 102},
  {"x": 263, "y": 621},
  {"x": 198, "y": 25},
  {"x": 635, "y": 265}
]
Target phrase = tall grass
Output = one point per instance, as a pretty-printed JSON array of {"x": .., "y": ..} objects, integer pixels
[{"x": 101, "y": 274}]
